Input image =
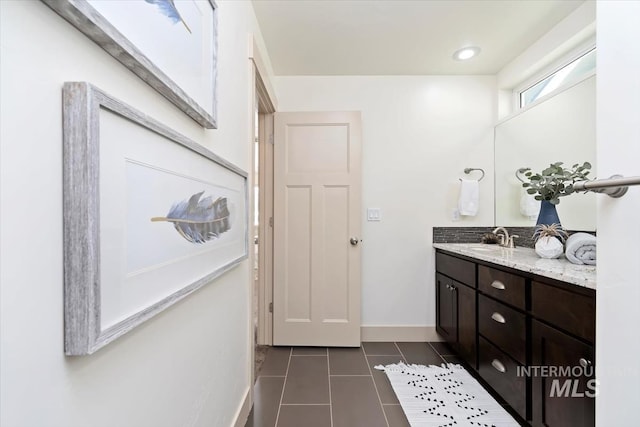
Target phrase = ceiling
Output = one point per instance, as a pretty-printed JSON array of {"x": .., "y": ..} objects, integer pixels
[{"x": 382, "y": 37}]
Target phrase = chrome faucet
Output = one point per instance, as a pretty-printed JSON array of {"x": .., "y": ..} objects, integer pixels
[{"x": 505, "y": 240}]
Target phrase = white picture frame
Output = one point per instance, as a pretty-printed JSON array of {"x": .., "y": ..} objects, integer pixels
[
  {"x": 150, "y": 216},
  {"x": 175, "y": 54}
]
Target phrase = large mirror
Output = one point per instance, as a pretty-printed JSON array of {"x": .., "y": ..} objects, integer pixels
[{"x": 559, "y": 129}]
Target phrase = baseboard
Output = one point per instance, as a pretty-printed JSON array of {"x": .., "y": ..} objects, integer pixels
[
  {"x": 399, "y": 333},
  {"x": 245, "y": 409}
]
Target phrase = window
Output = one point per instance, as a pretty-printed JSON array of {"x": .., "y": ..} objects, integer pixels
[{"x": 569, "y": 73}]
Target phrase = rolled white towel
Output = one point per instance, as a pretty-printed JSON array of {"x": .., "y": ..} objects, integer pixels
[
  {"x": 581, "y": 249},
  {"x": 468, "y": 202}
]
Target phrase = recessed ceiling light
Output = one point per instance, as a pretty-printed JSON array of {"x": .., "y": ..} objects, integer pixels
[{"x": 466, "y": 53}]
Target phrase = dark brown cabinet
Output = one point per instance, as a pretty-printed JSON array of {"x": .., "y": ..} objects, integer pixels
[
  {"x": 563, "y": 337},
  {"x": 529, "y": 337},
  {"x": 467, "y": 335},
  {"x": 456, "y": 305},
  {"x": 566, "y": 398},
  {"x": 502, "y": 330},
  {"x": 446, "y": 309},
  {"x": 500, "y": 371}
]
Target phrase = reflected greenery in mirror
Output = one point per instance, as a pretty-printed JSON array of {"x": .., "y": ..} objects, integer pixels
[
  {"x": 555, "y": 181},
  {"x": 558, "y": 129}
]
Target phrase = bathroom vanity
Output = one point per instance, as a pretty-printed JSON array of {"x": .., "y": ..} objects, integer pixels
[{"x": 525, "y": 325}]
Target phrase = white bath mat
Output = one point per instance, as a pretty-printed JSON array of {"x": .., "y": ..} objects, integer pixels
[{"x": 444, "y": 396}]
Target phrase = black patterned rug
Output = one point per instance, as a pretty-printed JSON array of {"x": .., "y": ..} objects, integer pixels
[{"x": 444, "y": 396}]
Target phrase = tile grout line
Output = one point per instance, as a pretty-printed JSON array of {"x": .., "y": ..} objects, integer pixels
[
  {"x": 349, "y": 375},
  {"x": 438, "y": 353},
  {"x": 329, "y": 378},
  {"x": 284, "y": 384},
  {"x": 308, "y": 355},
  {"x": 401, "y": 353},
  {"x": 305, "y": 404},
  {"x": 384, "y": 414}
]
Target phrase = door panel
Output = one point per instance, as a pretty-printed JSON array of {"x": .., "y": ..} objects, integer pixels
[
  {"x": 316, "y": 212},
  {"x": 336, "y": 260},
  {"x": 298, "y": 254},
  {"x": 446, "y": 310}
]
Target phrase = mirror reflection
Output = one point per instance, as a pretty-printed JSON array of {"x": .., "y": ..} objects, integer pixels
[{"x": 560, "y": 128}]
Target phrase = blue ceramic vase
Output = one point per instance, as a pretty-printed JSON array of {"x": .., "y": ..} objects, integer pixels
[{"x": 548, "y": 214}]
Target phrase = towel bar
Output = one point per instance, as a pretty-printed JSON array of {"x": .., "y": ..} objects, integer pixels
[
  {"x": 519, "y": 171},
  {"x": 467, "y": 170},
  {"x": 615, "y": 186}
]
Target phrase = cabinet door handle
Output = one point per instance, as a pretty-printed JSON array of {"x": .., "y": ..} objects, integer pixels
[
  {"x": 584, "y": 362},
  {"x": 498, "y": 366},
  {"x": 498, "y": 285},
  {"x": 498, "y": 318}
]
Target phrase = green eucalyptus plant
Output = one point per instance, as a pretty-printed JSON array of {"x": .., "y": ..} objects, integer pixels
[{"x": 555, "y": 181}]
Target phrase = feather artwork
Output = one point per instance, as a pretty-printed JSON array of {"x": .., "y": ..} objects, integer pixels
[
  {"x": 199, "y": 220},
  {"x": 168, "y": 8}
]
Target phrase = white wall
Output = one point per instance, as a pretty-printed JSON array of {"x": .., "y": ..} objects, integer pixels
[
  {"x": 571, "y": 34},
  {"x": 188, "y": 366},
  {"x": 419, "y": 133},
  {"x": 618, "y": 293}
]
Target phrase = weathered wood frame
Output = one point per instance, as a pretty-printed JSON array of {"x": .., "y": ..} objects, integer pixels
[
  {"x": 92, "y": 24},
  {"x": 82, "y": 103}
]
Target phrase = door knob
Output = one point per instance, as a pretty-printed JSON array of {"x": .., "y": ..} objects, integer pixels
[{"x": 354, "y": 241}]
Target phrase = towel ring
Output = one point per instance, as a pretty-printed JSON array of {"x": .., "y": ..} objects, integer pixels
[
  {"x": 467, "y": 170},
  {"x": 519, "y": 171}
]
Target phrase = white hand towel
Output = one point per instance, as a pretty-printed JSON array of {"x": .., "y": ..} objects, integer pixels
[
  {"x": 469, "y": 197},
  {"x": 529, "y": 206}
]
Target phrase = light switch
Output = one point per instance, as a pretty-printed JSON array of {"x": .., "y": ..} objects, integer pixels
[{"x": 373, "y": 214}]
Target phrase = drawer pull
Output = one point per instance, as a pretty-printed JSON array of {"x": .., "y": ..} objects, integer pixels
[
  {"x": 498, "y": 318},
  {"x": 498, "y": 285},
  {"x": 584, "y": 362},
  {"x": 498, "y": 366}
]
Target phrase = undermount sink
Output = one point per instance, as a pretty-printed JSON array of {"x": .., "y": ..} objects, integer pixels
[{"x": 483, "y": 247}]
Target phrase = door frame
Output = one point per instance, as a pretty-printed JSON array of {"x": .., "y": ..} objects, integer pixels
[
  {"x": 265, "y": 229},
  {"x": 261, "y": 99}
]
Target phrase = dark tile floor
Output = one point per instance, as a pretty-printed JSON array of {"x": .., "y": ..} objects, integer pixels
[{"x": 335, "y": 387}]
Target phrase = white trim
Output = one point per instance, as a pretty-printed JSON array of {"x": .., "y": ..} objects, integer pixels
[
  {"x": 558, "y": 91},
  {"x": 408, "y": 333},
  {"x": 573, "y": 30},
  {"x": 551, "y": 69},
  {"x": 263, "y": 75},
  {"x": 243, "y": 412}
]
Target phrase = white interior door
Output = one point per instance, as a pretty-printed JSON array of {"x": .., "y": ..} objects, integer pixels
[{"x": 317, "y": 184}]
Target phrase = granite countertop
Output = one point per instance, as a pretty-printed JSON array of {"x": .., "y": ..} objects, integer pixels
[{"x": 525, "y": 259}]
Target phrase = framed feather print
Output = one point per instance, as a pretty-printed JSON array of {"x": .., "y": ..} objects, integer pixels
[
  {"x": 171, "y": 45},
  {"x": 149, "y": 217}
]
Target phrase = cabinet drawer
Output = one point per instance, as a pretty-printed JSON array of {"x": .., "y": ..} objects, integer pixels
[
  {"x": 502, "y": 286},
  {"x": 501, "y": 372},
  {"x": 503, "y": 326},
  {"x": 570, "y": 311},
  {"x": 456, "y": 268}
]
